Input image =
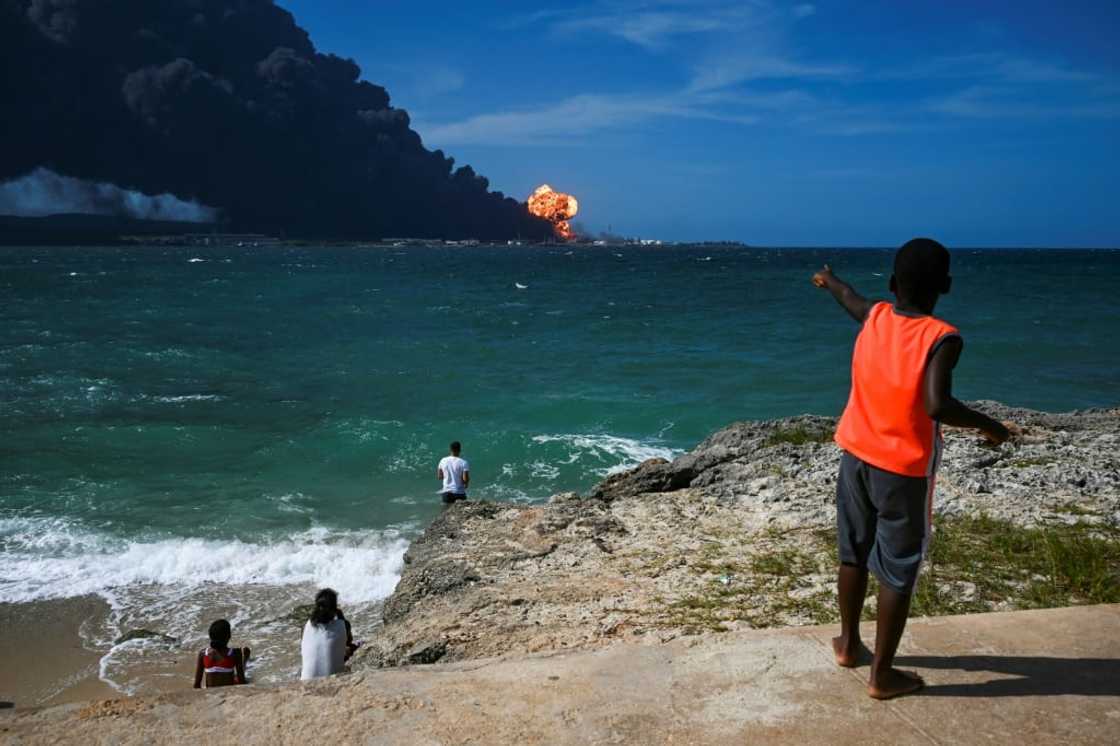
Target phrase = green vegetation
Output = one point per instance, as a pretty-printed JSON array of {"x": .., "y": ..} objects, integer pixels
[
  {"x": 975, "y": 565},
  {"x": 1074, "y": 509},
  {"x": 799, "y": 436},
  {"x": 1022, "y": 567}
]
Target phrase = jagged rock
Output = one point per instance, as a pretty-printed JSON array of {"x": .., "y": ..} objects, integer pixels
[
  {"x": 146, "y": 634},
  {"x": 491, "y": 579},
  {"x": 427, "y": 651}
]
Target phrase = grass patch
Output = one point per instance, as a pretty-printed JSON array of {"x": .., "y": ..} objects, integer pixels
[
  {"x": 976, "y": 564},
  {"x": 764, "y": 589},
  {"x": 784, "y": 565},
  {"x": 1024, "y": 567},
  {"x": 798, "y": 436},
  {"x": 1074, "y": 509}
]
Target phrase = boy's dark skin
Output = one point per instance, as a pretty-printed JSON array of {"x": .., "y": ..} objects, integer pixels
[{"x": 885, "y": 681}]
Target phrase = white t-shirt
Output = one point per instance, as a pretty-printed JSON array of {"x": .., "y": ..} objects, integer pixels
[
  {"x": 453, "y": 469},
  {"x": 323, "y": 649}
]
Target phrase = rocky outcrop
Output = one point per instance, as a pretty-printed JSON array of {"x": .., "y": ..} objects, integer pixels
[{"x": 489, "y": 579}]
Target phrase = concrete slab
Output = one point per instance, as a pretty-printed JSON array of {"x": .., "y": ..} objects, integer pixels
[{"x": 1023, "y": 677}]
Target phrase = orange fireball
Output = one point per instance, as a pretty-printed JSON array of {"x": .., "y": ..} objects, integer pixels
[{"x": 555, "y": 207}]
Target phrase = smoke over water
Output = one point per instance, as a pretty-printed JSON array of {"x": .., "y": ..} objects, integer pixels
[
  {"x": 227, "y": 103},
  {"x": 44, "y": 192}
]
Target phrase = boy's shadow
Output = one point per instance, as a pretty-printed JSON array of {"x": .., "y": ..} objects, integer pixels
[{"x": 1032, "y": 676}]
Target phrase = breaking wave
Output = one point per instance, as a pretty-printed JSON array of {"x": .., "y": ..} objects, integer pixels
[
  {"x": 609, "y": 453},
  {"x": 45, "y": 558}
]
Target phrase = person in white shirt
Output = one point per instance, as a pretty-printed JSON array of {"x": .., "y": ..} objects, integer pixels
[
  {"x": 327, "y": 640},
  {"x": 455, "y": 473}
]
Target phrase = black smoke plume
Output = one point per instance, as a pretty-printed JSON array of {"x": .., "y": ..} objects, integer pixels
[{"x": 227, "y": 103}]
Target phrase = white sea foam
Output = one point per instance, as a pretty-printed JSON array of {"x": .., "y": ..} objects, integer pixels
[
  {"x": 42, "y": 558},
  {"x": 179, "y": 585},
  {"x": 544, "y": 470},
  {"x": 187, "y": 397},
  {"x": 290, "y": 502},
  {"x": 613, "y": 452}
]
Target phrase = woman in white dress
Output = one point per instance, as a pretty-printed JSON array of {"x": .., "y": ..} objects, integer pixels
[{"x": 327, "y": 640}]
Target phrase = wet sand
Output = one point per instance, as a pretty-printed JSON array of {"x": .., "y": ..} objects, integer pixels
[
  {"x": 54, "y": 652},
  {"x": 47, "y": 661}
]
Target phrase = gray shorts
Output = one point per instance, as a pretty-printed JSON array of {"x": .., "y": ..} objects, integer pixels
[{"x": 882, "y": 521}]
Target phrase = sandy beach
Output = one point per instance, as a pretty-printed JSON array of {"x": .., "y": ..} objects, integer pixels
[
  {"x": 46, "y": 661},
  {"x": 72, "y": 650}
]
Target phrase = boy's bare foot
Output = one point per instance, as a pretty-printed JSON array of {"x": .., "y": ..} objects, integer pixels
[
  {"x": 847, "y": 656},
  {"x": 895, "y": 683}
]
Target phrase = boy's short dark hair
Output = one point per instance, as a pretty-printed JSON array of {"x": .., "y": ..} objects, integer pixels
[
  {"x": 220, "y": 633},
  {"x": 921, "y": 268},
  {"x": 456, "y": 446}
]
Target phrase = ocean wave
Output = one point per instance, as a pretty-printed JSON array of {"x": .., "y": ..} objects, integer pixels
[
  {"x": 613, "y": 452},
  {"x": 544, "y": 470},
  {"x": 290, "y": 503},
  {"x": 168, "y": 353},
  {"x": 186, "y": 398},
  {"x": 44, "y": 558}
]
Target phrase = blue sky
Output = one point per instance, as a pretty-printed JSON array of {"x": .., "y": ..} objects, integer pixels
[{"x": 824, "y": 123}]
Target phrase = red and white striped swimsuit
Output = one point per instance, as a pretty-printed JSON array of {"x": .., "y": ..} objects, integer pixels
[{"x": 214, "y": 661}]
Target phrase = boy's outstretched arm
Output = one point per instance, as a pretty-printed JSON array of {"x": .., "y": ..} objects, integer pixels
[
  {"x": 937, "y": 395},
  {"x": 854, "y": 303}
]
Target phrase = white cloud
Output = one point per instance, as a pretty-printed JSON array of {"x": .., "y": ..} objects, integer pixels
[
  {"x": 992, "y": 66},
  {"x": 995, "y": 102},
  {"x": 724, "y": 72},
  {"x": 570, "y": 120},
  {"x": 648, "y": 29},
  {"x": 652, "y": 25},
  {"x": 440, "y": 81},
  {"x": 738, "y": 53},
  {"x": 44, "y": 192}
]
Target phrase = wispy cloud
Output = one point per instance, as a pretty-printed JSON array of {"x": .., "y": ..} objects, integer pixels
[
  {"x": 440, "y": 81},
  {"x": 571, "y": 118},
  {"x": 992, "y": 102},
  {"x": 726, "y": 71},
  {"x": 775, "y": 84},
  {"x": 652, "y": 25},
  {"x": 650, "y": 30},
  {"x": 991, "y": 66}
]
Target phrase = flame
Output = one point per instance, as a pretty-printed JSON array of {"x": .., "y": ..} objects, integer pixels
[{"x": 555, "y": 207}]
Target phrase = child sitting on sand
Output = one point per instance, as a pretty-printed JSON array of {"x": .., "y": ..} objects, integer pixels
[
  {"x": 222, "y": 664},
  {"x": 901, "y": 393}
]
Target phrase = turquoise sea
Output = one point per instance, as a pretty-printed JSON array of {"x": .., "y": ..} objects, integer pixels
[{"x": 186, "y": 430}]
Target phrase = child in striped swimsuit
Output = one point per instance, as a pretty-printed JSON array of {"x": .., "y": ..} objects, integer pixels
[{"x": 221, "y": 664}]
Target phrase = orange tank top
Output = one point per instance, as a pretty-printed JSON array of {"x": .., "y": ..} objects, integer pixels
[{"x": 885, "y": 423}]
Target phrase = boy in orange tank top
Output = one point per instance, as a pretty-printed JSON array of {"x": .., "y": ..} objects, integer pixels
[{"x": 902, "y": 370}]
